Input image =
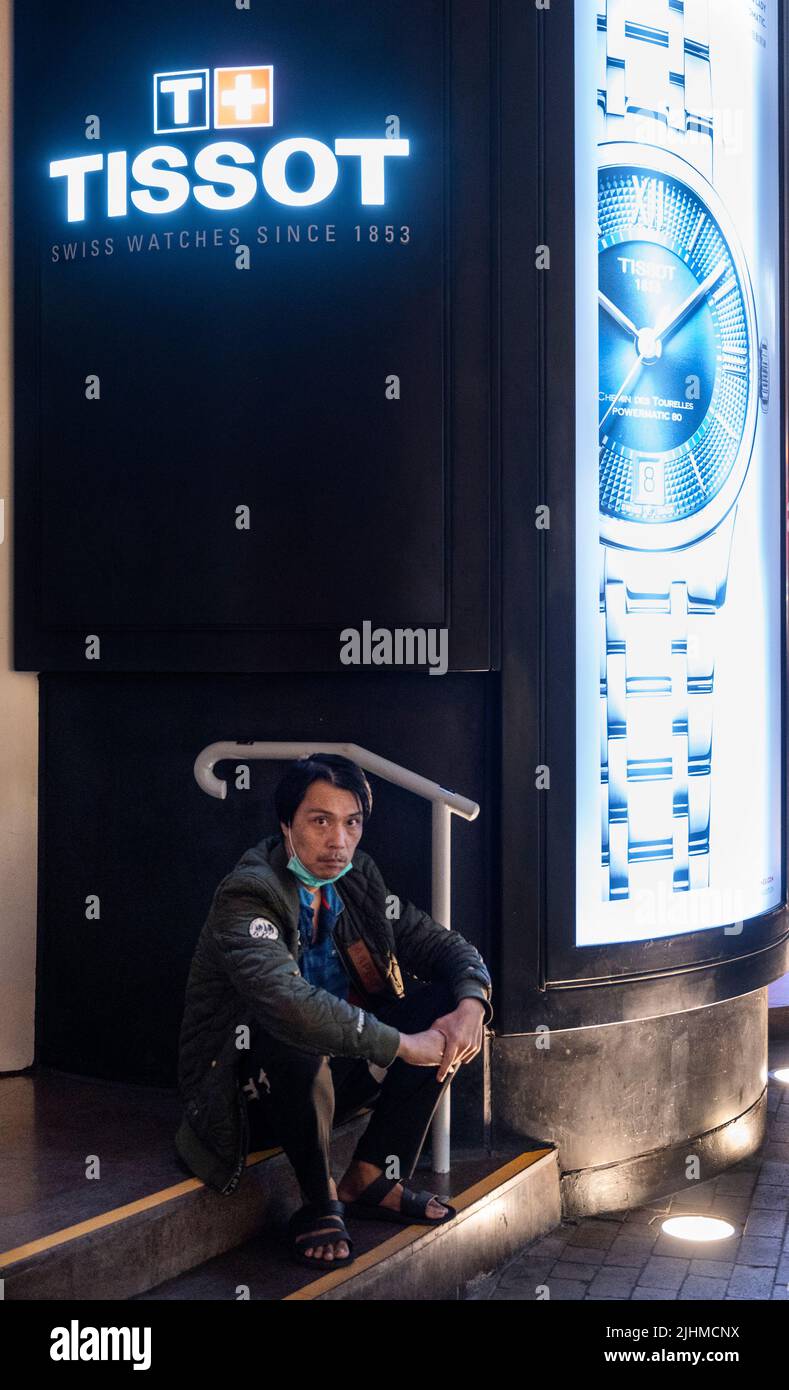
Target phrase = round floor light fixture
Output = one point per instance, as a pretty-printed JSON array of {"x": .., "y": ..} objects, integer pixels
[{"x": 697, "y": 1228}]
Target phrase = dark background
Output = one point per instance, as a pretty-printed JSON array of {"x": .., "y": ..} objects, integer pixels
[
  {"x": 410, "y": 514},
  {"x": 266, "y": 388},
  {"x": 123, "y": 818}
]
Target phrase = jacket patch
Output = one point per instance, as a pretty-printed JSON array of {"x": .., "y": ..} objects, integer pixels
[{"x": 261, "y": 927}]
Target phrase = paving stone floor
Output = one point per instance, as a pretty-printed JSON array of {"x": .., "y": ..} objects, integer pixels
[{"x": 624, "y": 1255}]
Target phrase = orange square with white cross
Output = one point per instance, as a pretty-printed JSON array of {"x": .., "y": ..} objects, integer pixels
[{"x": 243, "y": 97}]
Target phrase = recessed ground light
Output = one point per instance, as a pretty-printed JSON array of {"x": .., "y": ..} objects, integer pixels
[
  {"x": 697, "y": 1228},
  {"x": 781, "y": 1075}
]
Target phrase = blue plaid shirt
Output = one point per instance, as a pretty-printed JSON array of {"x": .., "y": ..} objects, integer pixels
[{"x": 319, "y": 961}]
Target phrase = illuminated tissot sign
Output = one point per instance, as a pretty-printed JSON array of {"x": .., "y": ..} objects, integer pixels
[
  {"x": 233, "y": 290},
  {"x": 222, "y": 100},
  {"x": 679, "y": 791}
]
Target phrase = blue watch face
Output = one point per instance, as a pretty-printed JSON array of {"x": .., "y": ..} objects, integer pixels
[{"x": 675, "y": 352}]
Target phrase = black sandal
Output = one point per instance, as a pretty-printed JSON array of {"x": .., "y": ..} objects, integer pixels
[
  {"x": 302, "y": 1232},
  {"x": 413, "y": 1205}
]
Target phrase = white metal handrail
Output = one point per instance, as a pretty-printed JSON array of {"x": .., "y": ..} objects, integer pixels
[{"x": 445, "y": 804}]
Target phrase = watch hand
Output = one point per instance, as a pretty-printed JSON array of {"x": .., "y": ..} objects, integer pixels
[
  {"x": 634, "y": 370},
  {"x": 663, "y": 330},
  {"x": 617, "y": 314}
]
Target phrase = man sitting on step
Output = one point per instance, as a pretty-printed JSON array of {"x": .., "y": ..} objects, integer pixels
[{"x": 312, "y": 980}]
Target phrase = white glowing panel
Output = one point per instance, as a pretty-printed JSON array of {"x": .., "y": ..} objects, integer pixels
[{"x": 679, "y": 603}]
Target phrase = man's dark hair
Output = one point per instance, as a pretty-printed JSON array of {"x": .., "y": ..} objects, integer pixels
[{"x": 323, "y": 767}]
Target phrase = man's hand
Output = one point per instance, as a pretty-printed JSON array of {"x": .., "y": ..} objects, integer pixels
[
  {"x": 422, "y": 1049},
  {"x": 463, "y": 1032}
]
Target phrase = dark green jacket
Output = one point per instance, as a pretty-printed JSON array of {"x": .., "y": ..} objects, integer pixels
[{"x": 245, "y": 973}]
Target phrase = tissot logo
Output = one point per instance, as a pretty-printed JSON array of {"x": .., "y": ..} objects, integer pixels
[
  {"x": 180, "y": 101},
  {"x": 242, "y": 97},
  {"x": 238, "y": 98}
]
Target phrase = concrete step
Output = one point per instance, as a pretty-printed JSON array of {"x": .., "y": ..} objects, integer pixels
[
  {"x": 503, "y": 1201},
  {"x": 141, "y": 1225}
]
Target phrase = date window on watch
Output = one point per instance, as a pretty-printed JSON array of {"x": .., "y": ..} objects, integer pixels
[{"x": 649, "y": 483}]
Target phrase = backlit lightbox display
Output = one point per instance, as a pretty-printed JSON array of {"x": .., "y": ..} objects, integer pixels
[{"x": 679, "y": 517}]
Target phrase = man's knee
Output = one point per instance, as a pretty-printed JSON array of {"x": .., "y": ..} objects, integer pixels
[{"x": 289, "y": 1071}]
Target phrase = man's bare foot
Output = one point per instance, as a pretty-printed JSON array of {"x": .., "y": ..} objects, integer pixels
[
  {"x": 361, "y": 1174},
  {"x": 325, "y": 1251}
]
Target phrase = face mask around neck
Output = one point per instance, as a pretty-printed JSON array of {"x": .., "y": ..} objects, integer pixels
[{"x": 303, "y": 873}]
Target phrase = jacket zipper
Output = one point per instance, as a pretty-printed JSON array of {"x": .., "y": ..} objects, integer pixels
[{"x": 232, "y": 1184}]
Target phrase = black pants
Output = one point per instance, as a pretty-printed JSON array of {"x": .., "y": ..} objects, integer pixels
[{"x": 295, "y": 1096}]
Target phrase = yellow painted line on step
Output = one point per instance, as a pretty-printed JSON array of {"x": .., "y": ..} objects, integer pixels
[
  {"x": 110, "y": 1218},
  {"x": 409, "y": 1234}
]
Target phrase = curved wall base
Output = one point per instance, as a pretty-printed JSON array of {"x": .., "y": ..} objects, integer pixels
[
  {"x": 638, "y": 1109},
  {"x": 633, "y": 1182}
]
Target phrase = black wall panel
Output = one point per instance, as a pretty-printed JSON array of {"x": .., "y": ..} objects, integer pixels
[
  {"x": 123, "y": 818},
  {"x": 266, "y": 387}
]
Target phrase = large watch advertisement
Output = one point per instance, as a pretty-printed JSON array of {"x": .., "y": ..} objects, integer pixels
[{"x": 679, "y": 519}]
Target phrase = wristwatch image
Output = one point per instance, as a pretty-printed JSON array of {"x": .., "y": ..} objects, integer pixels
[{"x": 681, "y": 371}]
